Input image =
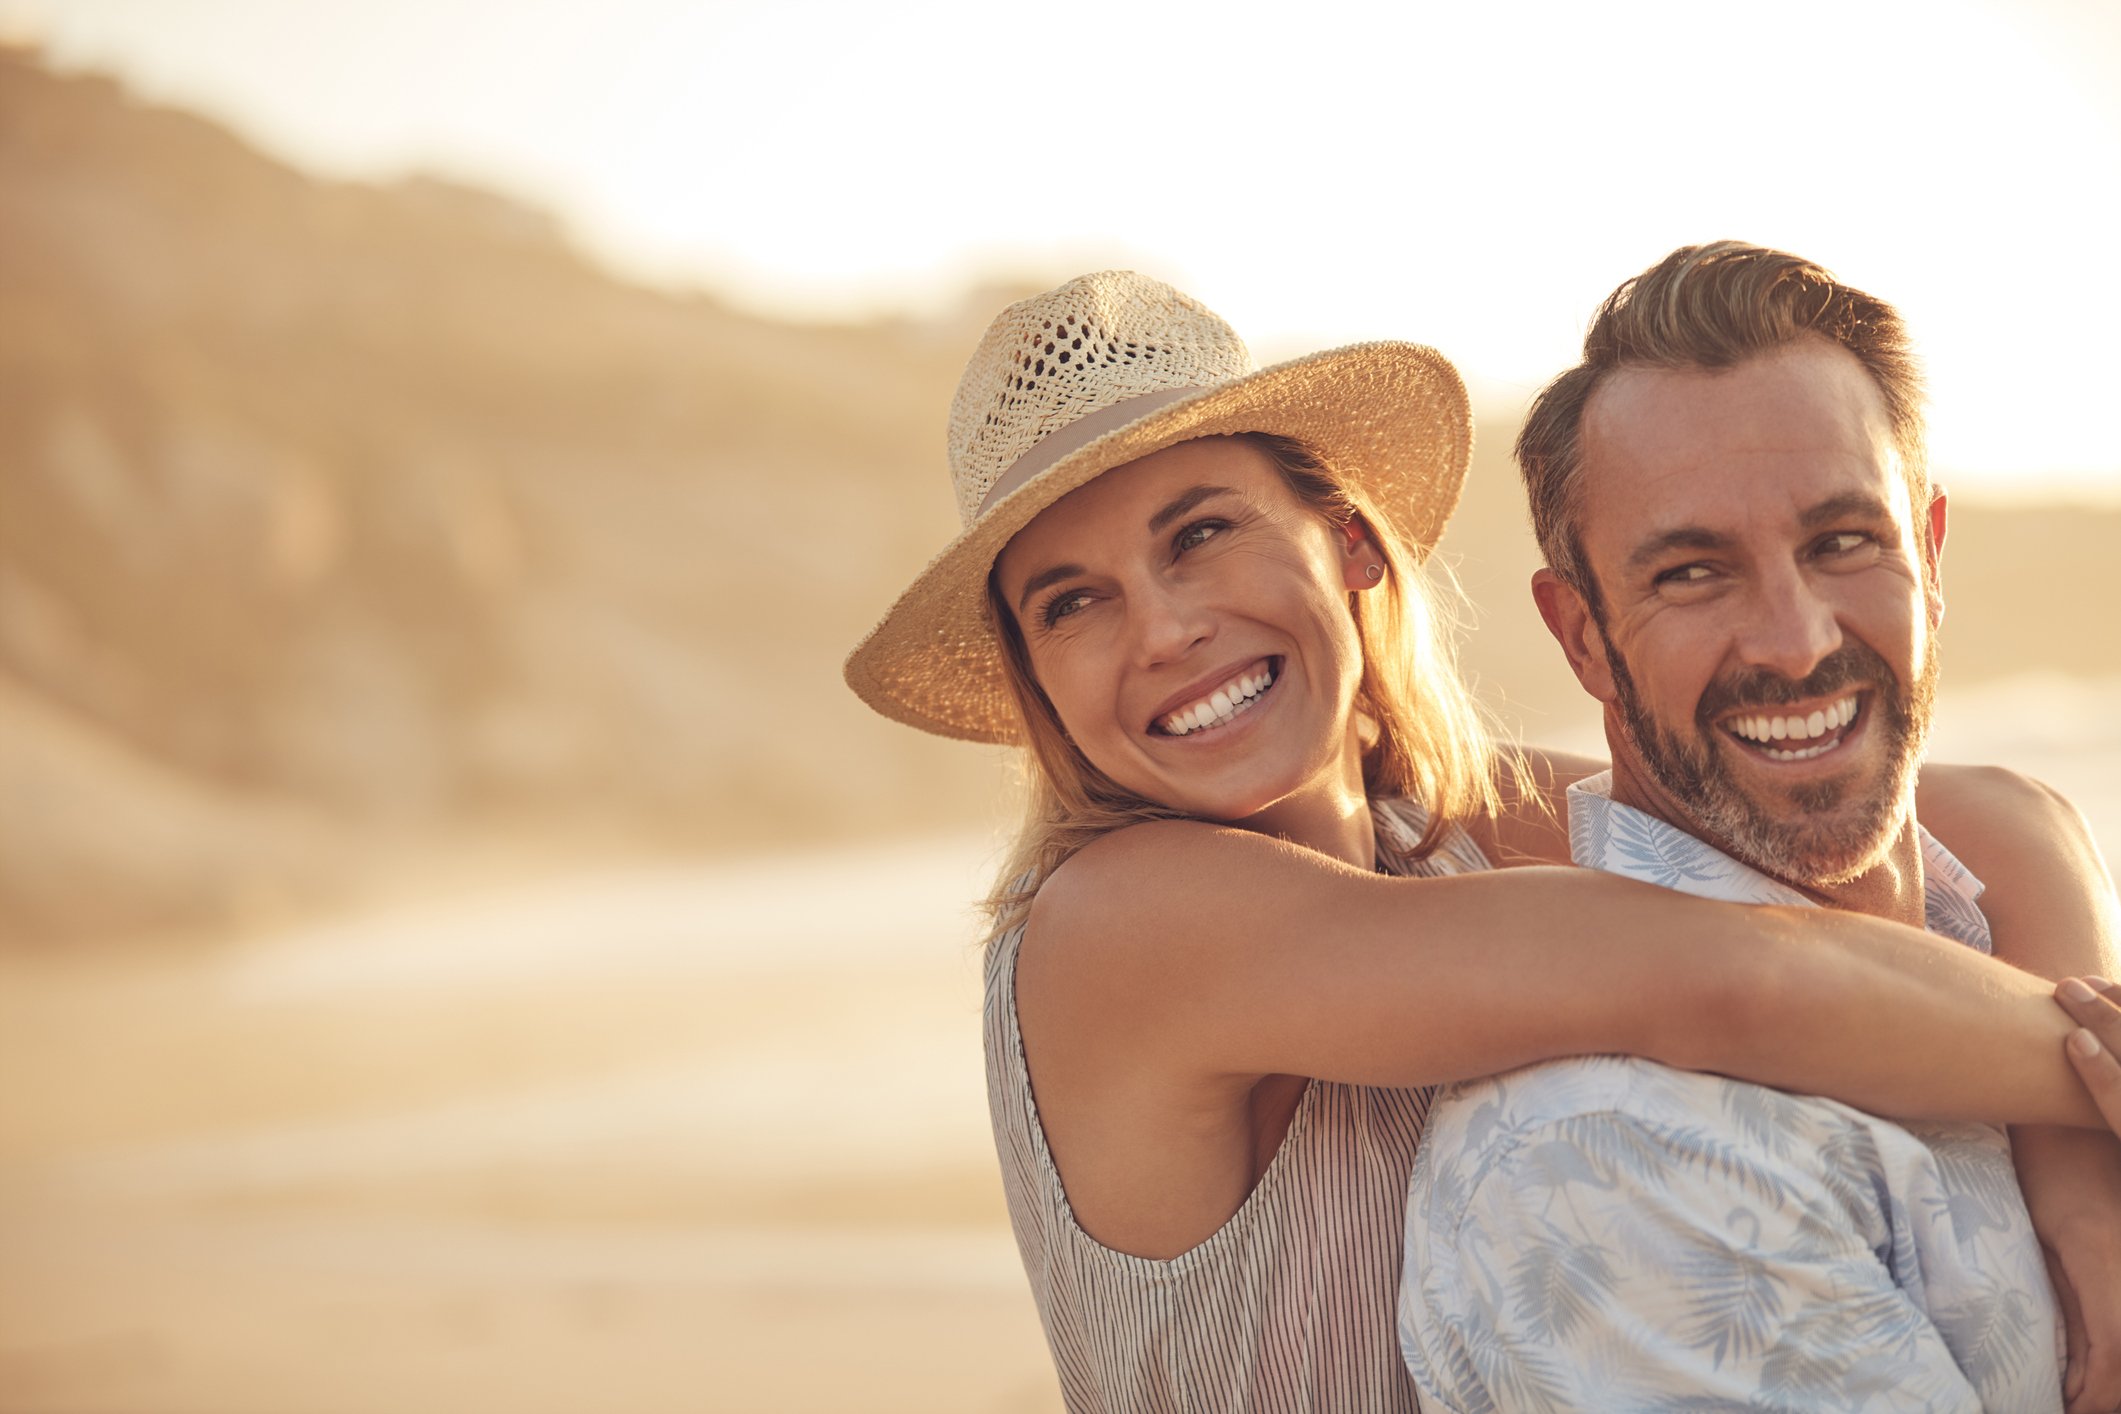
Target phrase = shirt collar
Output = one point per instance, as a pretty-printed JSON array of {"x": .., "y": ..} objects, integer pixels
[{"x": 1619, "y": 839}]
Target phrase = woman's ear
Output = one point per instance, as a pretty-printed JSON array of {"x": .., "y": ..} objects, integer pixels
[{"x": 1362, "y": 564}]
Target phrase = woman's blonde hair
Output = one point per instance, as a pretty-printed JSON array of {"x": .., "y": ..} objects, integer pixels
[{"x": 1424, "y": 739}]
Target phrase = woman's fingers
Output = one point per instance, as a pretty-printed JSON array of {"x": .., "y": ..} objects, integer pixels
[{"x": 2095, "y": 1047}]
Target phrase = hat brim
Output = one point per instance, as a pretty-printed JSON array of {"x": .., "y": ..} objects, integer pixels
[{"x": 1392, "y": 418}]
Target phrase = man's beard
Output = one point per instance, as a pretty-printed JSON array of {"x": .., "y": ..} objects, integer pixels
[{"x": 1801, "y": 838}]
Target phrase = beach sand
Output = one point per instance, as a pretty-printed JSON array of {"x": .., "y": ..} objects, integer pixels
[
  {"x": 677, "y": 1136},
  {"x": 534, "y": 1150}
]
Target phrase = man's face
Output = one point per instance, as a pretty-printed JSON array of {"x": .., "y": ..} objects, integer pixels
[{"x": 1765, "y": 646}]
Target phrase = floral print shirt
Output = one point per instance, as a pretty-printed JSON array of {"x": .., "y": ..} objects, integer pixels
[{"x": 1609, "y": 1233}]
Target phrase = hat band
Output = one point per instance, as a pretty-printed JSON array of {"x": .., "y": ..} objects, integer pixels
[{"x": 1077, "y": 435}]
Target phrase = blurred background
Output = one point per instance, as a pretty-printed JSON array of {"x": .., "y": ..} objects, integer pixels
[{"x": 461, "y": 948}]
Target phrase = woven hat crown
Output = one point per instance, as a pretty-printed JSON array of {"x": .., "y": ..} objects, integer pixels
[
  {"x": 1049, "y": 361},
  {"x": 1104, "y": 371}
]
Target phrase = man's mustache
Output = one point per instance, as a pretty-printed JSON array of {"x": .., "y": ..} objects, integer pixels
[{"x": 1850, "y": 664}]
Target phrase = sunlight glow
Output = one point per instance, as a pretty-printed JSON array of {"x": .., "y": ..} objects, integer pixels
[{"x": 1473, "y": 177}]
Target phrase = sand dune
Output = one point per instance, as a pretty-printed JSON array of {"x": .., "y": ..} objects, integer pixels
[
  {"x": 349, "y": 525},
  {"x": 403, "y": 1163}
]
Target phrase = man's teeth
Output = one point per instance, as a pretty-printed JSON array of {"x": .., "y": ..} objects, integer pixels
[
  {"x": 1220, "y": 705},
  {"x": 1765, "y": 729}
]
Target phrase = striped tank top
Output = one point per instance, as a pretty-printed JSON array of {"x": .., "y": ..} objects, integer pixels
[{"x": 1290, "y": 1304}]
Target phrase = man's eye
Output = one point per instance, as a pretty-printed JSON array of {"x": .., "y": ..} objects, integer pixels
[
  {"x": 1685, "y": 574},
  {"x": 1843, "y": 542},
  {"x": 1200, "y": 531}
]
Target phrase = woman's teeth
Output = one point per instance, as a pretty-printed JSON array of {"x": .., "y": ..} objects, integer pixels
[
  {"x": 1764, "y": 731},
  {"x": 1220, "y": 705}
]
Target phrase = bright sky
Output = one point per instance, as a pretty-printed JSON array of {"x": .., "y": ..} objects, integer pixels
[{"x": 1474, "y": 175}]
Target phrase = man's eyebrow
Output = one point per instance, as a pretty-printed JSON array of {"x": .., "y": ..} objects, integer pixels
[
  {"x": 1183, "y": 502},
  {"x": 1850, "y": 505},
  {"x": 1685, "y": 537},
  {"x": 1040, "y": 580}
]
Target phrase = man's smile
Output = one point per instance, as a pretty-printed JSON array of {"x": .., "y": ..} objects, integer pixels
[{"x": 1796, "y": 732}]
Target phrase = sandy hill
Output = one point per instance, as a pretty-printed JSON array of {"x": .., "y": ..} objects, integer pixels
[{"x": 335, "y": 514}]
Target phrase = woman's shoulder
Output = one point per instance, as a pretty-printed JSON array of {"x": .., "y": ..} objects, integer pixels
[
  {"x": 1134, "y": 870},
  {"x": 1168, "y": 894}
]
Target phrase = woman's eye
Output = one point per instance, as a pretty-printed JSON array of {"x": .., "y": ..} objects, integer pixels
[
  {"x": 1060, "y": 606},
  {"x": 1197, "y": 533}
]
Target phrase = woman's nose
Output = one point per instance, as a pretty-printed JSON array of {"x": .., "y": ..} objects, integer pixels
[{"x": 1169, "y": 622}]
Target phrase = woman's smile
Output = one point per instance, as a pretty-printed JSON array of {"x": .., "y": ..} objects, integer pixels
[{"x": 1205, "y": 713}]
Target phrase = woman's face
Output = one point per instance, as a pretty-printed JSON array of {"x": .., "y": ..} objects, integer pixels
[{"x": 1188, "y": 618}]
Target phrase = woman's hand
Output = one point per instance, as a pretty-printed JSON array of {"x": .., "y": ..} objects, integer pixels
[{"x": 2095, "y": 1047}]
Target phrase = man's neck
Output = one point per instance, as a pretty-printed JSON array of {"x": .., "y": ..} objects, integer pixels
[{"x": 1891, "y": 888}]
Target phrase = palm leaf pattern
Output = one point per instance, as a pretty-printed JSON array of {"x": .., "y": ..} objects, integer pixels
[
  {"x": 1515, "y": 1374},
  {"x": 1557, "y": 1284},
  {"x": 1663, "y": 856},
  {"x": 1734, "y": 1302},
  {"x": 1607, "y": 1233},
  {"x": 1983, "y": 1184},
  {"x": 1807, "y": 1364},
  {"x": 1765, "y": 1119},
  {"x": 1989, "y": 1333}
]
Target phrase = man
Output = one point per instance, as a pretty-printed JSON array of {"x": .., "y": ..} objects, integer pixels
[{"x": 1742, "y": 549}]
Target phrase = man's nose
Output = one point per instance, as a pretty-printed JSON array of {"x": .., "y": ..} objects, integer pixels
[{"x": 1791, "y": 627}]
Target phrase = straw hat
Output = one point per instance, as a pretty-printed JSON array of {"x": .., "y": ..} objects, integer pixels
[{"x": 1100, "y": 372}]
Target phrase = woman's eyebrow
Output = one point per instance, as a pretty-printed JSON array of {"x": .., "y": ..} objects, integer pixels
[
  {"x": 1040, "y": 580},
  {"x": 1183, "y": 502}
]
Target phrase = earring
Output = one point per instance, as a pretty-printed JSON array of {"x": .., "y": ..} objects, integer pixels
[{"x": 1374, "y": 573}]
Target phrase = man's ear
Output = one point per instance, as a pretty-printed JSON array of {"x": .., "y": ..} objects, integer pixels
[
  {"x": 1568, "y": 618},
  {"x": 1933, "y": 565}
]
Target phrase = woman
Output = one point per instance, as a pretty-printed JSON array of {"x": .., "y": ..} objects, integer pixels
[
  {"x": 2095, "y": 1004},
  {"x": 1193, "y": 591}
]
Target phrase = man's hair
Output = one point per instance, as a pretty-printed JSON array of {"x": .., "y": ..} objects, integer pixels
[{"x": 1709, "y": 306}]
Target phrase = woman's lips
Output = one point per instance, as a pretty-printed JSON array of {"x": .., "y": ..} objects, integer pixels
[{"x": 1220, "y": 704}]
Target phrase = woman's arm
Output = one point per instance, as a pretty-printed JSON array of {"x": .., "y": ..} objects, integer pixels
[{"x": 1179, "y": 951}]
